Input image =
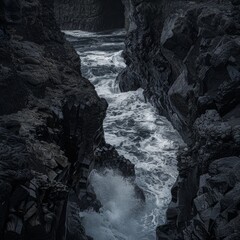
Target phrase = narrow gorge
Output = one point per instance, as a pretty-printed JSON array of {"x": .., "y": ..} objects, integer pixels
[
  {"x": 139, "y": 134},
  {"x": 119, "y": 120}
]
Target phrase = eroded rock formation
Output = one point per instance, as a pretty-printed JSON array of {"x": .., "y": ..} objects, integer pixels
[
  {"x": 185, "y": 55},
  {"x": 51, "y": 130},
  {"x": 89, "y": 15}
]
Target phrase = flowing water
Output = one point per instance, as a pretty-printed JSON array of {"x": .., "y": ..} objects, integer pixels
[{"x": 138, "y": 133}]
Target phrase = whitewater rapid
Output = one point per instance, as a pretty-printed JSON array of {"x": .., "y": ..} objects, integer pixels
[{"x": 138, "y": 133}]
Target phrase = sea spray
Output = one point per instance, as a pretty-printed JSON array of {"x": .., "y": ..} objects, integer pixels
[
  {"x": 138, "y": 133},
  {"x": 120, "y": 210}
]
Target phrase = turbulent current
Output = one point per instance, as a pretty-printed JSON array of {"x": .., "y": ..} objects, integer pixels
[{"x": 138, "y": 133}]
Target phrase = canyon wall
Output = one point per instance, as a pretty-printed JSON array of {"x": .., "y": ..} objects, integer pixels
[
  {"x": 89, "y": 15},
  {"x": 51, "y": 133},
  {"x": 186, "y": 57}
]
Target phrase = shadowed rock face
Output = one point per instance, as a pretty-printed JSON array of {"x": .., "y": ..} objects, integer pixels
[
  {"x": 89, "y": 15},
  {"x": 185, "y": 55},
  {"x": 10, "y": 10},
  {"x": 51, "y": 130}
]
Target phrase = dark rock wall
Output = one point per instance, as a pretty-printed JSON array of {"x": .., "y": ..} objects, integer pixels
[
  {"x": 185, "y": 55},
  {"x": 89, "y": 15},
  {"x": 51, "y": 130}
]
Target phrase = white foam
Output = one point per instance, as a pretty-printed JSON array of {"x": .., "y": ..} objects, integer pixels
[
  {"x": 80, "y": 34},
  {"x": 139, "y": 134},
  {"x": 119, "y": 207},
  {"x": 101, "y": 58}
]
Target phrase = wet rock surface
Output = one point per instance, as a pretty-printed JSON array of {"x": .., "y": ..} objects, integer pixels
[
  {"x": 185, "y": 55},
  {"x": 50, "y": 128},
  {"x": 115, "y": 161},
  {"x": 89, "y": 15}
]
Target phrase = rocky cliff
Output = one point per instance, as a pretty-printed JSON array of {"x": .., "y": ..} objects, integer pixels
[
  {"x": 186, "y": 57},
  {"x": 93, "y": 15},
  {"x": 51, "y": 132}
]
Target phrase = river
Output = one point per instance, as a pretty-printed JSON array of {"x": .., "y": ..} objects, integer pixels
[{"x": 138, "y": 133}]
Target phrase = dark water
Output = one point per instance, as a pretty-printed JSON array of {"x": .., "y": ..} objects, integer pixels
[{"x": 139, "y": 134}]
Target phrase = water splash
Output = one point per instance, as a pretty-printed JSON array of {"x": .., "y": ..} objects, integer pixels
[
  {"x": 121, "y": 209},
  {"x": 138, "y": 133}
]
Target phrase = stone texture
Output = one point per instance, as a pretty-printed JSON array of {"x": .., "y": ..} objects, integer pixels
[
  {"x": 50, "y": 128},
  {"x": 185, "y": 55},
  {"x": 89, "y": 15}
]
